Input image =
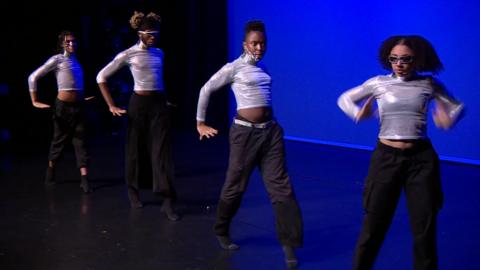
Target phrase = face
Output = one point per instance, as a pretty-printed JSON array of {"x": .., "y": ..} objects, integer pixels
[
  {"x": 402, "y": 60},
  {"x": 70, "y": 44},
  {"x": 149, "y": 37},
  {"x": 255, "y": 42}
]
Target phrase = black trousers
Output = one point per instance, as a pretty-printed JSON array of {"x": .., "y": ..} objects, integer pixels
[
  {"x": 148, "y": 144},
  {"x": 262, "y": 147},
  {"x": 69, "y": 123},
  {"x": 416, "y": 171}
]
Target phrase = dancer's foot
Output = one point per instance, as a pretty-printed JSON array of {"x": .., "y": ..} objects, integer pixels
[
  {"x": 290, "y": 258},
  {"x": 50, "y": 177},
  {"x": 134, "y": 198},
  {"x": 167, "y": 209},
  {"x": 84, "y": 184},
  {"x": 226, "y": 243}
]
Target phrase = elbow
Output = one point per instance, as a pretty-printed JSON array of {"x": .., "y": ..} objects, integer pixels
[
  {"x": 346, "y": 106},
  {"x": 101, "y": 78}
]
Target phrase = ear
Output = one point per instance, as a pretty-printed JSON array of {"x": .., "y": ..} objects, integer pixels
[{"x": 244, "y": 45}]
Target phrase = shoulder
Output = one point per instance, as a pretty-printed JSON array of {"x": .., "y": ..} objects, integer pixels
[
  {"x": 125, "y": 53},
  {"x": 436, "y": 84},
  {"x": 229, "y": 67},
  {"x": 56, "y": 58},
  {"x": 157, "y": 50},
  {"x": 377, "y": 79}
]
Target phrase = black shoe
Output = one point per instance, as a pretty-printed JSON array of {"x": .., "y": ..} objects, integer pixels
[
  {"x": 290, "y": 258},
  {"x": 167, "y": 209},
  {"x": 226, "y": 243},
  {"x": 50, "y": 177},
  {"x": 134, "y": 198},
  {"x": 84, "y": 184}
]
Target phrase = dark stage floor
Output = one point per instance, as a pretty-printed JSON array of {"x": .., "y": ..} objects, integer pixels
[{"x": 61, "y": 228}]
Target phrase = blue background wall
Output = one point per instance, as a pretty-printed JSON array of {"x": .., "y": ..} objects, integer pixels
[{"x": 318, "y": 49}]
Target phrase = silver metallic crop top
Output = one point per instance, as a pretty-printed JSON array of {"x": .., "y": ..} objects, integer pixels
[
  {"x": 68, "y": 72},
  {"x": 145, "y": 63},
  {"x": 402, "y": 104},
  {"x": 249, "y": 81}
]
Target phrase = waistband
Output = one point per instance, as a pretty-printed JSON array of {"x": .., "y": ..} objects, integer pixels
[
  {"x": 418, "y": 146},
  {"x": 147, "y": 93},
  {"x": 254, "y": 125},
  {"x": 157, "y": 95},
  {"x": 70, "y": 103}
]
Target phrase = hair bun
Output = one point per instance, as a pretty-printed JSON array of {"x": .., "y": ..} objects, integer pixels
[{"x": 137, "y": 19}]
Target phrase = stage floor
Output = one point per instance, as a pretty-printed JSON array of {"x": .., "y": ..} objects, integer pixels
[{"x": 61, "y": 228}]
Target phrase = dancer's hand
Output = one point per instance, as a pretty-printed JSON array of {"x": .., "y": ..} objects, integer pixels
[
  {"x": 441, "y": 117},
  {"x": 40, "y": 105},
  {"x": 365, "y": 111},
  {"x": 205, "y": 131},
  {"x": 117, "y": 111}
]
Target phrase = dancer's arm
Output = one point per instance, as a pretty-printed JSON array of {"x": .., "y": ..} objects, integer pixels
[
  {"x": 50, "y": 65},
  {"x": 118, "y": 62},
  {"x": 349, "y": 101},
  {"x": 223, "y": 77},
  {"x": 447, "y": 109}
]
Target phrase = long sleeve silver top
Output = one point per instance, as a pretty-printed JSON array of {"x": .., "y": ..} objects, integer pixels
[
  {"x": 250, "y": 83},
  {"x": 146, "y": 65},
  {"x": 402, "y": 104},
  {"x": 68, "y": 72}
]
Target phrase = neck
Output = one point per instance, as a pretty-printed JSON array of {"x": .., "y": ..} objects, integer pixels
[
  {"x": 249, "y": 58},
  {"x": 142, "y": 45},
  {"x": 406, "y": 77}
]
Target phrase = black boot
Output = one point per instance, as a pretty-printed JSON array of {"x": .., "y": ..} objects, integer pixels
[
  {"x": 50, "y": 177},
  {"x": 226, "y": 243},
  {"x": 167, "y": 209},
  {"x": 134, "y": 198},
  {"x": 290, "y": 257},
  {"x": 84, "y": 184}
]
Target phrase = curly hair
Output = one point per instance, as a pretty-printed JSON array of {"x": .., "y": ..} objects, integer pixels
[
  {"x": 254, "y": 25},
  {"x": 61, "y": 40},
  {"x": 425, "y": 59},
  {"x": 139, "y": 21}
]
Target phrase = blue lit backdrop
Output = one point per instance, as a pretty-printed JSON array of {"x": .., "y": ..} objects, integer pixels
[{"x": 318, "y": 49}]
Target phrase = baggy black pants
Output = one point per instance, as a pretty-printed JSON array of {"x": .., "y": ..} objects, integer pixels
[
  {"x": 148, "y": 143},
  {"x": 416, "y": 171},
  {"x": 69, "y": 123},
  {"x": 264, "y": 147}
]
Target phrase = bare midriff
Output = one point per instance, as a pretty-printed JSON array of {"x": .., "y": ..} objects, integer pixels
[
  {"x": 256, "y": 115},
  {"x": 400, "y": 144},
  {"x": 70, "y": 95},
  {"x": 148, "y": 93}
]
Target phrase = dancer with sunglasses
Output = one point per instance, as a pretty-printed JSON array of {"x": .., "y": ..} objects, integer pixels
[
  {"x": 68, "y": 117},
  {"x": 404, "y": 158},
  {"x": 148, "y": 142},
  {"x": 256, "y": 139}
]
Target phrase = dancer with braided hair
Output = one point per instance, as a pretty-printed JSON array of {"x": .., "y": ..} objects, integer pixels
[
  {"x": 68, "y": 118},
  {"x": 148, "y": 142}
]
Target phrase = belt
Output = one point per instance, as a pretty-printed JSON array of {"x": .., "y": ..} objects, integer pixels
[{"x": 253, "y": 125}]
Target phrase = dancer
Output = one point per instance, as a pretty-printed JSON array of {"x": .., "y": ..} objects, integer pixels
[
  {"x": 256, "y": 139},
  {"x": 404, "y": 157},
  {"x": 68, "y": 117},
  {"x": 149, "y": 127}
]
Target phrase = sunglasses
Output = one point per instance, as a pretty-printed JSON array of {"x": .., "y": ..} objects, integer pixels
[
  {"x": 70, "y": 42},
  {"x": 150, "y": 33},
  {"x": 407, "y": 59}
]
